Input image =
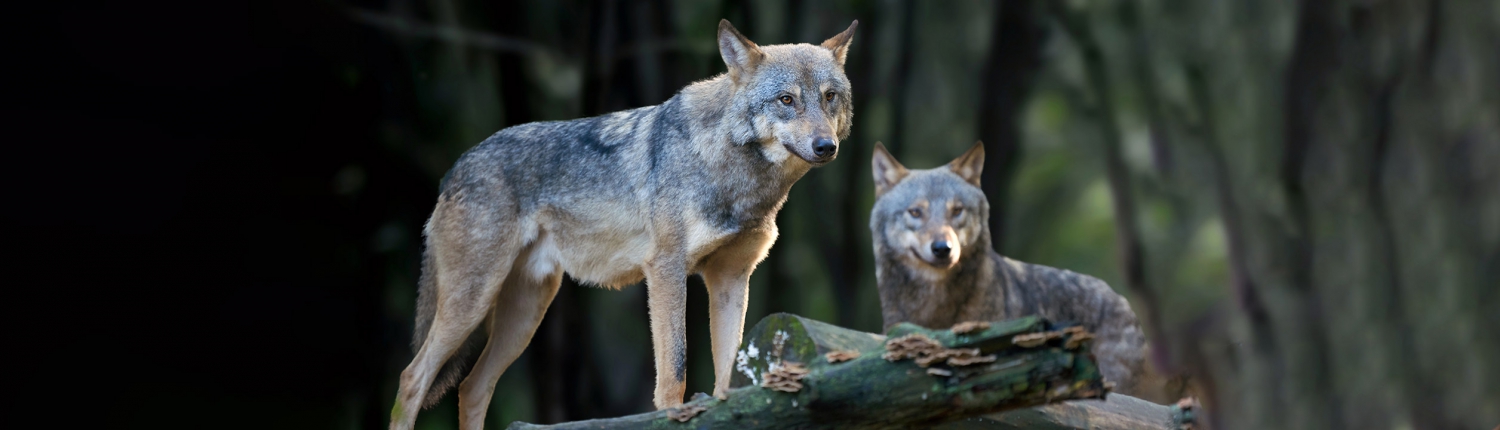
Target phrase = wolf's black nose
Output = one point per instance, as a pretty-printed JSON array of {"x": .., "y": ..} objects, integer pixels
[
  {"x": 824, "y": 147},
  {"x": 940, "y": 249}
]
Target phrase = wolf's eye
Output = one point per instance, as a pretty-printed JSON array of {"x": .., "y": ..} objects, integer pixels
[
  {"x": 786, "y": 100},
  {"x": 914, "y": 212},
  {"x": 958, "y": 211},
  {"x": 828, "y": 96}
]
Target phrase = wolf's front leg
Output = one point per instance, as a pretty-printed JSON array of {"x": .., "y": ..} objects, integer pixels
[
  {"x": 727, "y": 274},
  {"x": 728, "y": 295},
  {"x": 666, "y": 294}
]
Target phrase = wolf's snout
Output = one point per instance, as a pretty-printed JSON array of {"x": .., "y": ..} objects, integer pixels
[
  {"x": 824, "y": 148},
  {"x": 940, "y": 249}
]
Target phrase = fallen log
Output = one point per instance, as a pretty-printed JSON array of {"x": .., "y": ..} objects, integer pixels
[
  {"x": 806, "y": 340},
  {"x": 793, "y": 372}
]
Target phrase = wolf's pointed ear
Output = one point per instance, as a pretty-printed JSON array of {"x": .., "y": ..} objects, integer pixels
[
  {"x": 740, "y": 54},
  {"x": 887, "y": 171},
  {"x": 839, "y": 43},
  {"x": 969, "y": 165}
]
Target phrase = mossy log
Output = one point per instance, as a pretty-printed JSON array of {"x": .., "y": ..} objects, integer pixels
[
  {"x": 808, "y": 340},
  {"x": 960, "y": 376}
]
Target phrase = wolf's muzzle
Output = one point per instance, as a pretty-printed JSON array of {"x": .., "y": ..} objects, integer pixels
[
  {"x": 825, "y": 149},
  {"x": 940, "y": 249}
]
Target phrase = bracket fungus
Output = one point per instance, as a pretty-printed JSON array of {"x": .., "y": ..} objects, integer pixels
[{"x": 786, "y": 377}]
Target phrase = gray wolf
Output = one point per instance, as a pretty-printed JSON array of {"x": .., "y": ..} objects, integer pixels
[
  {"x": 935, "y": 266},
  {"x": 690, "y": 186}
]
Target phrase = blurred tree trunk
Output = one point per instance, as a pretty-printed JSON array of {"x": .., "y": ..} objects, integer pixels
[
  {"x": 1308, "y": 75},
  {"x": 1017, "y": 35},
  {"x": 1128, "y": 241},
  {"x": 838, "y": 188},
  {"x": 896, "y": 88}
]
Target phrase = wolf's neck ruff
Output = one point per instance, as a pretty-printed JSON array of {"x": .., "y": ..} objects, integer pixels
[
  {"x": 912, "y": 290},
  {"x": 749, "y": 172}
]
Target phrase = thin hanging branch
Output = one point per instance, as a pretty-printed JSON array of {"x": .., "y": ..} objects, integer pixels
[{"x": 451, "y": 34}]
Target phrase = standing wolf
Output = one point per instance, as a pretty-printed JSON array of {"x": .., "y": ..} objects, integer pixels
[
  {"x": 657, "y": 193},
  {"x": 935, "y": 266}
]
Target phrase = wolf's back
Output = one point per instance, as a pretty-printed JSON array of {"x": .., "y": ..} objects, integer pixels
[
  {"x": 521, "y": 168},
  {"x": 1065, "y": 295},
  {"x": 562, "y": 160}
]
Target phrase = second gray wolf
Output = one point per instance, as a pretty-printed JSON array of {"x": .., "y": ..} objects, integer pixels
[
  {"x": 690, "y": 186},
  {"x": 935, "y": 266}
]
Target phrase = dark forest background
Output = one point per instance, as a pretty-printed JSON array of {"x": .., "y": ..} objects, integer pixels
[{"x": 217, "y": 206}]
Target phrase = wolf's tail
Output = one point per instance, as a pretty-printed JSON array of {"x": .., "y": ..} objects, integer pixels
[{"x": 462, "y": 361}]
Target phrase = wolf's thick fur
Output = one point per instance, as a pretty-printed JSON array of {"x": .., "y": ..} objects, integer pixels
[
  {"x": 917, "y": 212},
  {"x": 657, "y": 193}
]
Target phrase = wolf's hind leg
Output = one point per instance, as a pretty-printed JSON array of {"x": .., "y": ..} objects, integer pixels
[
  {"x": 474, "y": 253},
  {"x": 517, "y": 313}
]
